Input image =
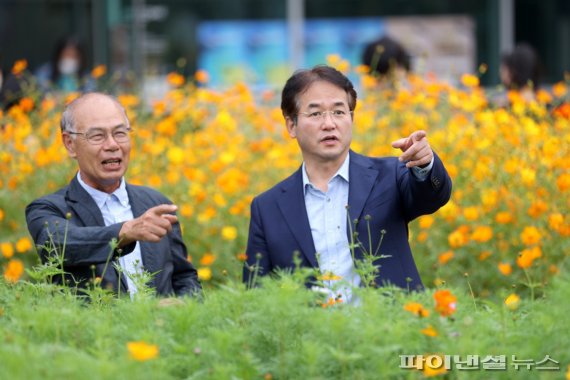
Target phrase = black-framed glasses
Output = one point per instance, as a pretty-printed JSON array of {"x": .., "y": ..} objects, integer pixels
[{"x": 98, "y": 136}]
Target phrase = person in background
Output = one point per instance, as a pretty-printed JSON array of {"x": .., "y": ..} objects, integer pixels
[
  {"x": 387, "y": 59},
  {"x": 520, "y": 71},
  {"x": 67, "y": 72},
  {"x": 98, "y": 205},
  {"x": 337, "y": 191}
]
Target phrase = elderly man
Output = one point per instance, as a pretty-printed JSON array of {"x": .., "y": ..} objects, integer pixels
[
  {"x": 313, "y": 212},
  {"x": 97, "y": 206}
]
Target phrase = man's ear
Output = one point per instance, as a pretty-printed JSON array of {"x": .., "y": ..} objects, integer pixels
[
  {"x": 69, "y": 143},
  {"x": 291, "y": 127}
]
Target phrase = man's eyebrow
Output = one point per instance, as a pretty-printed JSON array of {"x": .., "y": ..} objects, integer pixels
[
  {"x": 96, "y": 128},
  {"x": 319, "y": 105}
]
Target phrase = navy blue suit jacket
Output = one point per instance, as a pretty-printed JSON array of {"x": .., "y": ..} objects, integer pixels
[
  {"x": 380, "y": 187},
  {"x": 87, "y": 240}
]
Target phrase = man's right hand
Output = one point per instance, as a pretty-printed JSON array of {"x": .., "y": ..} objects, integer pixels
[{"x": 150, "y": 226}]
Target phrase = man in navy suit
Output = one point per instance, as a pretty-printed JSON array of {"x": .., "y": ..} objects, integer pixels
[
  {"x": 323, "y": 212},
  {"x": 97, "y": 206}
]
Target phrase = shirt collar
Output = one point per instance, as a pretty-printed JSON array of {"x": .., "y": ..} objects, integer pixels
[
  {"x": 101, "y": 197},
  {"x": 341, "y": 172}
]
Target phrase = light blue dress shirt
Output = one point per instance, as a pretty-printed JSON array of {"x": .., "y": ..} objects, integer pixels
[
  {"x": 327, "y": 215},
  {"x": 116, "y": 208}
]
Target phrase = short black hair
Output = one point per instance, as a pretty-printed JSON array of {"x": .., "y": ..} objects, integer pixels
[{"x": 300, "y": 81}]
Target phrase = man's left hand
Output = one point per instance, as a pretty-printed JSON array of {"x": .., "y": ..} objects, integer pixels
[{"x": 417, "y": 151}]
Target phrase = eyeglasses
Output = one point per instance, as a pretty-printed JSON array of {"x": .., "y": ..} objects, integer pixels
[
  {"x": 98, "y": 136},
  {"x": 320, "y": 115}
]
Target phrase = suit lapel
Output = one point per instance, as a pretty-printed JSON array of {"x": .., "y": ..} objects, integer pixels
[
  {"x": 83, "y": 205},
  {"x": 87, "y": 210},
  {"x": 361, "y": 180},
  {"x": 292, "y": 205}
]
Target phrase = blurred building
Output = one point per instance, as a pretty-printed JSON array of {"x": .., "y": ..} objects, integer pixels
[{"x": 263, "y": 40}]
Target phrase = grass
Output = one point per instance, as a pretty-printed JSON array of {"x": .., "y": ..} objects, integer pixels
[{"x": 278, "y": 331}]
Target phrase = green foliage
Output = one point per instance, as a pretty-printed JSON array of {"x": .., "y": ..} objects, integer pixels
[{"x": 278, "y": 330}]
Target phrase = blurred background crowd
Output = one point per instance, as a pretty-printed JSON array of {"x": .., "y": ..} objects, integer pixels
[{"x": 136, "y": 43}]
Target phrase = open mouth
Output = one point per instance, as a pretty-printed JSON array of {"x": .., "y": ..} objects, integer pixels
[{"x": 112, "y": 163}]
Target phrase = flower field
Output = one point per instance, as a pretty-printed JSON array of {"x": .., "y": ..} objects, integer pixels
[{"x": 506, "y": 231}]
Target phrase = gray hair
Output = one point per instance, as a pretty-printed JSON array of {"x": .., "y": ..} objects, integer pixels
[{"x": 67, "y": 123}]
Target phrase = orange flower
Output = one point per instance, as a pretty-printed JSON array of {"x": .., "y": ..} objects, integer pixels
[
  {"x": 27, "y": 104},
  {"x": 19, "y": 67},
  {"x": 537, "y": 208},
  {"x": 98, "y": 71},
  {"x": 14, "y": 271},
  {"x": 563, "y": 182},
  {"x": 482, "y": 234},
  {"x": 471, "y": 213},
  {"x": 202, "y": 76},
  {"x": 142, "y": 351},
  {"x": 23, "y": 245},
  {"x": 207, "y": 259},
  {"x": 175, "y": 79},
  {"x": 505, "y": 268},
  {"x": 429, "y": 331},
  {"x": 417, "y": 309},
  {"x": 241, "y": 256},
  {"x": 426, "y": 221},
  {"x": 7, "y": 249},
  {"x": 1, "y": 214},
  {"x": 445, "y": 257},
  {"x": 527, "y": 257},
  {"x": 503, "y": 217},
  {"x": 445, "y": 302},
  {"x": 530, "y": 235},
  {"x": 456, "y": 239},
  {"x": 484, "y": 255}
]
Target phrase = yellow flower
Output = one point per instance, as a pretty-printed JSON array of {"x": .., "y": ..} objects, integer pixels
[
  {"x": 417, "y": 309},
  {"x": 229, "y": 233},
  {"x": 329, "y": 276},
  {"x": 98, "y": 71},
  {"x": 471, "y": 213},
  {"x": 426, "y": 221},
  {"x": 14, "y": 271},
  {"x": 23, "y": 245},
  {"x": 505, "y": 268},
  {"x": 434, "y": 365},
  {"x": 469, "y": 80},
  {"x": 429, "y": 331},
  {"x": 204, "y": 274},
  {"x": 555, "y": 221},
  {"x": 1, "y": 215},
  {"x": 568, "y": 373},
  {"x": 7, "y": 249},
  {"x": 142, "y": 351},
  {"x": 530, "y": 235},
  {"x": 175, "y": 155},
  {"x": 512, "y": 301}
]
